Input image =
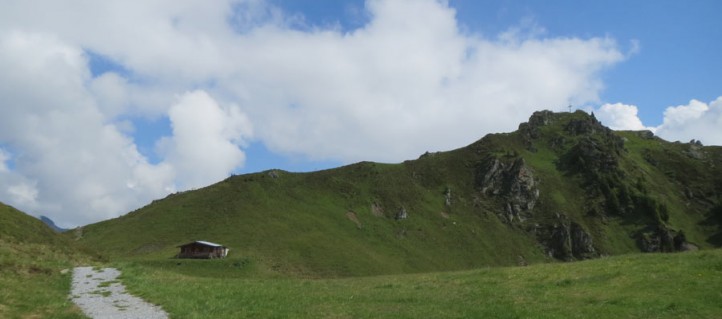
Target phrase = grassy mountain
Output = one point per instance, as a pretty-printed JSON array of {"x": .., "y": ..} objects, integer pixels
[
  {"x": 20, "y": 227},
  {"x": 562, "y": 187},
  {"x": 34, "y": 268}
]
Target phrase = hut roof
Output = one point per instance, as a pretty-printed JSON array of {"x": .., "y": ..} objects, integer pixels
[{"x": 202, "y": 242}]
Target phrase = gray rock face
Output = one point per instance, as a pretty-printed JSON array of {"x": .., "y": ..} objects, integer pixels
[
  {"x": 645, "y": 134},
  {"x": 530, "y": 130},
  {"x": 537, "y": 120},
  {"x": 587, "y": 126},
  {"x": 514, "y": 182},
  {"x": 582, "y": 245},
  {"x": 559, "y": 244},
  {"x": 273, "y": 174},
  {"x": 597, "y": 149},
  {"x": 568, "y": 241},
  {"x": 663, "y": 239},
  {"x": 590, "y": 156},
  {"x": 694, "y": 150},
  {"x": 377, "y": 210},
  {"x": 447, "y": 197},
  {"x": 541, "y": 118},
  {"x": 401, "y": 214}
]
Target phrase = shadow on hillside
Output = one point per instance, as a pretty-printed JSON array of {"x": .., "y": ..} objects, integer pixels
[
  {"x": 715, "y": 219},
  {"x": 716, "y": 239}
]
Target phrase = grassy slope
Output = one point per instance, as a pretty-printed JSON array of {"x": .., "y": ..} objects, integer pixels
[
  {"x": 299, "y": 224},
  {"x": 684, "y": 285},
  {"x": 692, "y": 188},
  {"x": 31, "y": 259}
]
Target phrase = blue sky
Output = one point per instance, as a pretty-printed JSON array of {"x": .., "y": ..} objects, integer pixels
[
  {"x": 680, "y": 42},
  {"x": 107, "y": 106}
]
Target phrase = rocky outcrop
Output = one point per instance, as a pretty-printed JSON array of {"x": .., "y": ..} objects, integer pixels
[
  {"x": 597, "y": 149},
  {"x": 530, "y": 130},
  {"x": 377, "y": 210},
  {"x": 582, "y": 244},
  {"x": 586, "y": 126},
  {"x": 514, "y": 182},
  {"x": 568, "y": 241},
  {"x": 447, "y": 197},
  {"x": 401, "y": 214},
  {"x": 663, "y": 239},
  {"x": 590, "y": 155},
  {"x": 694, "y": 150},
  {"x": 645, "y": 134}
]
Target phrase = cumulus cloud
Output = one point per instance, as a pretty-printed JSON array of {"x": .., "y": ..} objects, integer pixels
[
  {"x": 696, "y": 120},
  {"x": 24, "y": 194},
  {"x": 404, "y": 83},
  {"x": 205, "y": 144},
  {"x": 619, "y": 116},
  {"x": 72, "y": 162},
  {"x": 228, "y": 72}
]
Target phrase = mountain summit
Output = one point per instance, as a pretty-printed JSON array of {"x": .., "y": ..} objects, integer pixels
[
  {"x": 51, "y": 224},
  {"x": 561, "y": 187}
]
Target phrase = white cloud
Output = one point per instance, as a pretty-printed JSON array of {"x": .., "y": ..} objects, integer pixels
[
  {"x": 4, "y": 158},
  {"x": 204, "y": 146},
  {"x": 620, "y": 116},
  {"x": 72, "y": 163},
  {"x": 404, "y": 83},
  {"x": 112, "y": 94},
  {"x": 24, "y": 194},
  {"x": 407, "y": 81},
  {"x": 696, "y": 120}
]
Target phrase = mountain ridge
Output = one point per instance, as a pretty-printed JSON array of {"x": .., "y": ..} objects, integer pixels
[
  {"x": 51, "y": 224},
  {"x": 561, "y": 187},
  {"x": 18, "y": 226}
]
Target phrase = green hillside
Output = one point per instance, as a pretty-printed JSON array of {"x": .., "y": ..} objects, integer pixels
[
  {"x": 562, "y": 187},
  {"x": 35, "y": 264},
  {"x": 19, "y": 227}
]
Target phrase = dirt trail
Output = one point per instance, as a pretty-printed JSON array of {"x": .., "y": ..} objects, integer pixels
[{"x": 100, "y": 295}]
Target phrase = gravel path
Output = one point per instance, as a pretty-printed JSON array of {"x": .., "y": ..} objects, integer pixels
[{"x": 100, "y": 295}]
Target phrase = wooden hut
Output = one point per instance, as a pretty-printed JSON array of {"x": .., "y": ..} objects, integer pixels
[{"x": 202, "y": 249}]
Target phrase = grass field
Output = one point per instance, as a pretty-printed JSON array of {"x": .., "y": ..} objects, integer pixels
[
  {"x": 33, "y": 283},
  {"x": 683, "y": 285}
]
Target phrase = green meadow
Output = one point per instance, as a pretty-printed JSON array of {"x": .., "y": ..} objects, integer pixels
[
  {"x": 682, "y": 285},
  {"x": 36, "y": 268}
]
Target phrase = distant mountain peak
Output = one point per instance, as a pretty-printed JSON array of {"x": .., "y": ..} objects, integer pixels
[{"x": 51, "y": 224}]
